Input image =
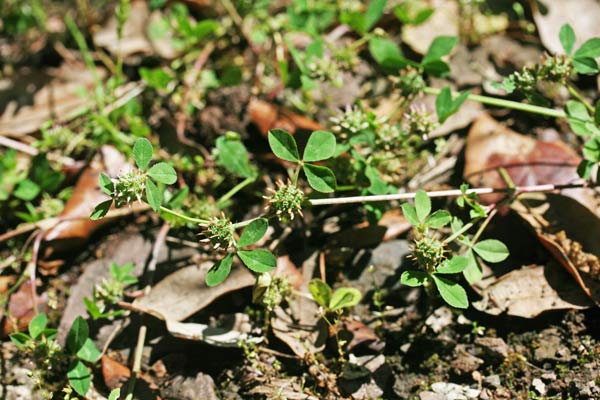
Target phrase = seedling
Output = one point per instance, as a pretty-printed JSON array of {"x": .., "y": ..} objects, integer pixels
[
  {"x": 52, "y": 364},
  {"x": 333, "y": 304},
  {"x": 110, "y": 291},
  {"x": 432, "y": 254}
]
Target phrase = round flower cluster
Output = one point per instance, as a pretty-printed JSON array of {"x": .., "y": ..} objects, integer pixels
[
  {"x": 410, "y": 82},
  {"x": 286, "y": 201},
  {"x": 428, "y": 252},
  {"x": 219, "y": 232},
  {"x": 420, "y": 122},
  {"x": 128, "y": 187},
  {"x": 352, "y": 121}
]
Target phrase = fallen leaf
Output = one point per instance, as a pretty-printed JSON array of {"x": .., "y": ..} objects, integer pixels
[
  {"x": 491, "y": 145},
  {"x": 569, "y": 231},
  {"x": 287, "y": 269},
  {"x": 6, "y": 281},
  {"x": 134, "y": 40},
  {"x": 287, "y": 388},
  {"x": 466, "y": 114},
  {"x": 444, "y": 21},
  {"x": 300, "y": 325},
  {"x": 75, "y": 226},
  {"x": 21, "y": 308},
  {"x": 267, "y": 116},
  {"x": 121, "y": 249},
  {"x": 361, "y": 335},
  {"x": 529, "y": 291},
  {"x": 550, "y": 15},
  {"x": 57, "y": 97},
  {"x": 220, "y": 337},
  {"x": 114, "y": 373},
  {"x": 184, "y": 292}
]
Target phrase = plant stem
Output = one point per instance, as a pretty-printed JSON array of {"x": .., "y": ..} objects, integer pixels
[
  {"x": 183, "y": 216},
  {"x": 575, "y": 93},
  {"x": 483, "y": 226},
  {"x": 234, "y": 190},
  {"x": 241, "y": 224},
  {"x": 459, "y": 232},
  {"x": 497, "y": 102},
  {"x": 296, "y": 175},
  {"x": 445, "y": 193}
]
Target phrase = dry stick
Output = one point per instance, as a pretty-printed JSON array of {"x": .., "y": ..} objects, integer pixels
[
  {"x": 49, "y": 223},
  {"x": 31, "y": 151},
  {"x": 33, "y": 267},
  {"x": 322, "y": 266},
  {"x": 139, "y": 348},
  {"x": 447, "y": 193}
]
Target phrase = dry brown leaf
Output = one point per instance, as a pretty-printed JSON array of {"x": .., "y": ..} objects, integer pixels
[
  {"x": 221, "y": 337},
  {"x": 529, "y": 291},
  {"x": 184, "y": 293},
  {"x": 300, "y": 325},
  {"x": 21, "y": 308},
  {"x": 287, "y": 269},
  {"x": 582, "y": 15},
  {"x": 467, "y": 113},
  {"x": 267, "y": 116},
  {"x": 75, "y": 226},
  {"x": 361, "y": 335},
  {"x": 393, "y": 220},
  {"x": 286, "y": 388},
  {"x": 491, "y": 145},
  {"x": 121, "y": 249},
  {"x": 444, "y": 21},
  {"x": 59, "y": 97},
  {"x": 6, "y": 281},
  {"x": 114, "y": 373},
  {"x": 569, "y": 231},
  {"x": 359, "y": 238}
]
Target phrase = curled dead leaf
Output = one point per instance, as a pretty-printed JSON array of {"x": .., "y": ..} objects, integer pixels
[
  {"x": 221, "y": 337},
  {"x": 569, "y": 231},
  {"x": 267, "y": 116},
  {"x": 531, "y": 290},
  {"x": 114, "y": 373}
]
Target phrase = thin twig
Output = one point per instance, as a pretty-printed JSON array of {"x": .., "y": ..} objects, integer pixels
[
  {"x": 447, "y": 193},
  {"x": 49, "y": 223}
]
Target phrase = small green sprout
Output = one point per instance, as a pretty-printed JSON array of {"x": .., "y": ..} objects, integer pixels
[
  {"x": 52, "y": 363},
  {"x": 432, "y": 253},
  {"x": 110, "y": 291},
  {"x": 333, "y": 301}
]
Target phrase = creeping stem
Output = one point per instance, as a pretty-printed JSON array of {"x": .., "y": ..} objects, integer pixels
[{"x": 515, "y": 105}]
